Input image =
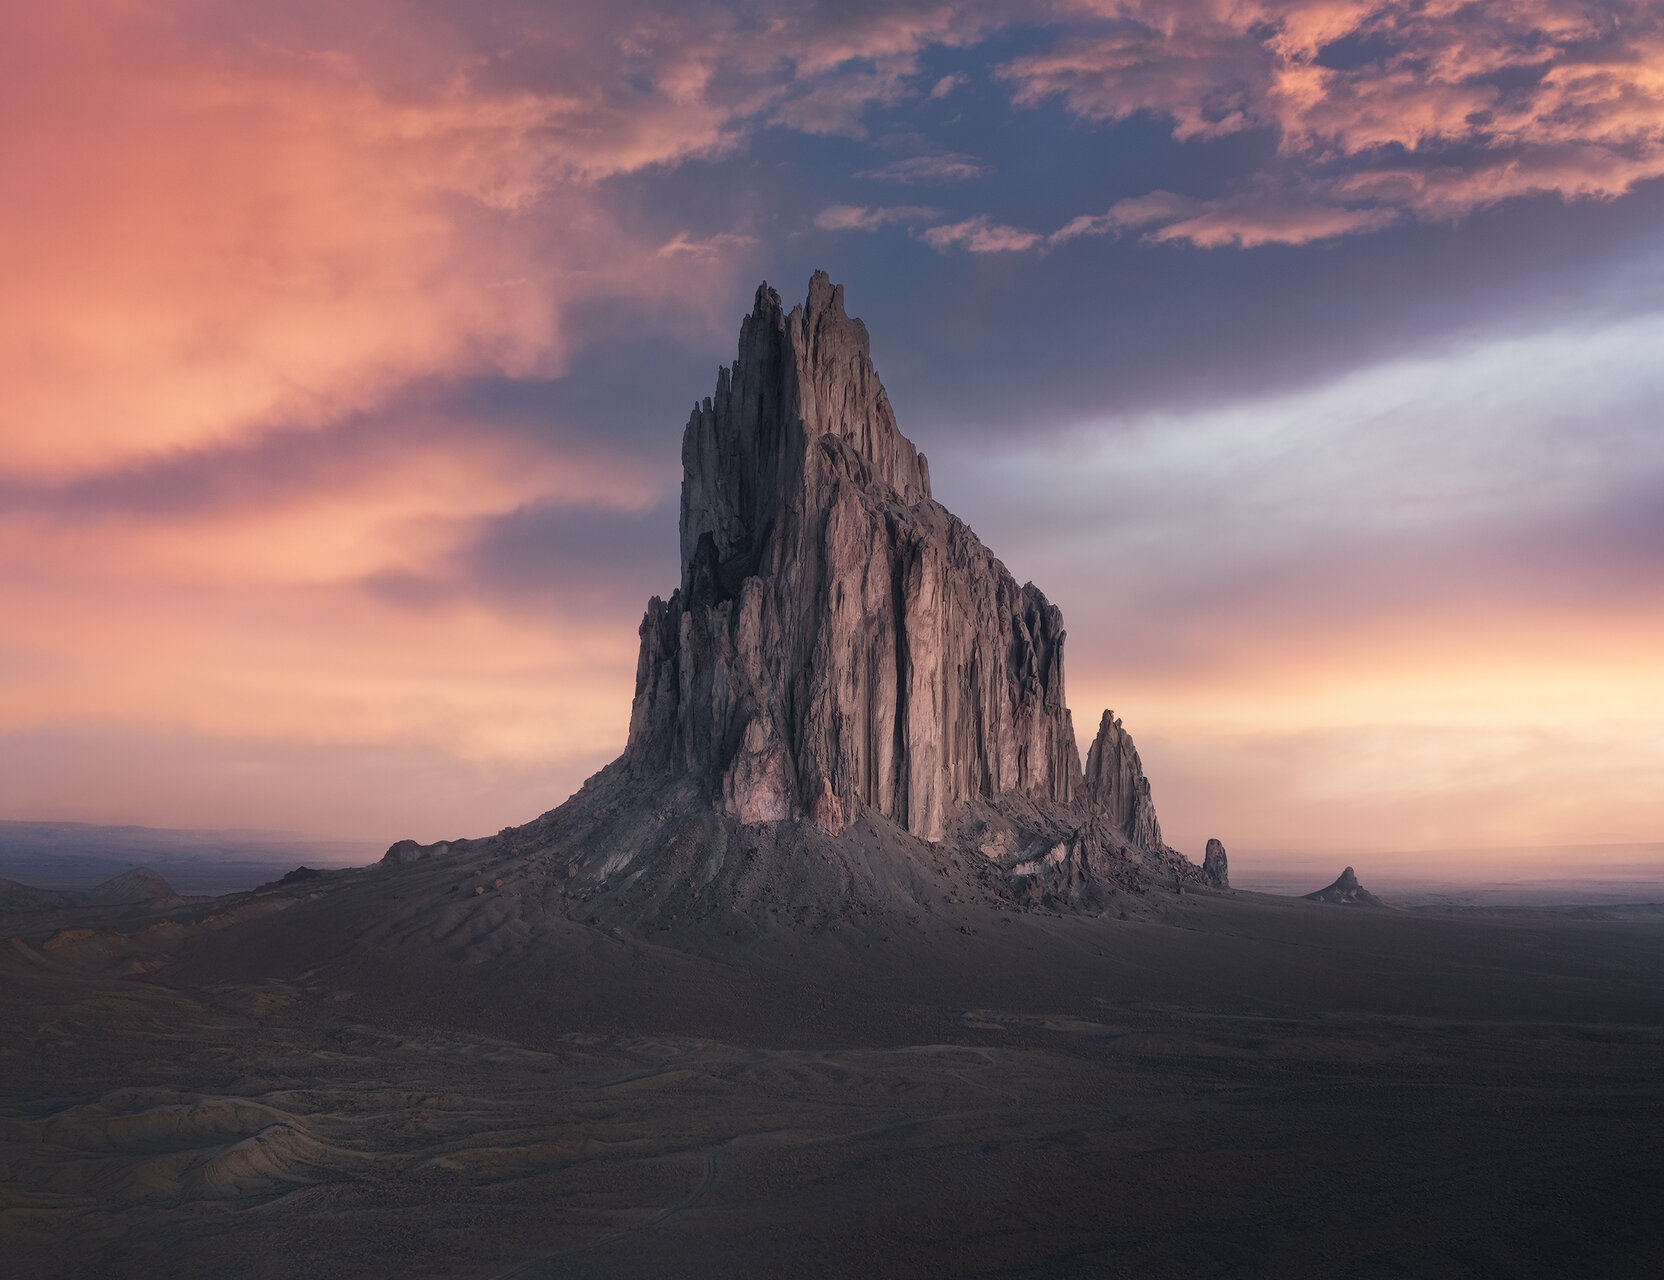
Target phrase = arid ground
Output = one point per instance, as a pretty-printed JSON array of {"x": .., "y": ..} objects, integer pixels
[{"x": 1228, "y": 1084}]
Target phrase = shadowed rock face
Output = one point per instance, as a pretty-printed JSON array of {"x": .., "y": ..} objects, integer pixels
[{"x": 839, "y": 639}]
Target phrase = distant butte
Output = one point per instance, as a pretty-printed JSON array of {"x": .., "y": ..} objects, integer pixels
[
  {"x": 844, "y": 676},
  {"x": 1346, "y": 892}
]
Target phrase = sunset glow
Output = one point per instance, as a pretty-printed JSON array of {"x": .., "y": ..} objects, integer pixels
[{"x": 1305, "y": 353}]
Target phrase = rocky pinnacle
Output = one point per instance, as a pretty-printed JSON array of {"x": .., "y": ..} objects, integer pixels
[
  {"x": 1215, "y": 867},
  {"x": 839, "y": 641}
]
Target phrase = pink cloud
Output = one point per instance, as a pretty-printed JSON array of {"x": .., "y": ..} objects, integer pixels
[
  {"x": 269, "y": 225},
  {"x": 1244, "y": 221},
  {"x": 288, "y": 214},
  {"x": 1255, "y": 220},
  {"x": 1125, "y": 215},
  {"x": 1206, "y": 81},
  {"x": 981, "y": 235},
  {"x": 1459, "y": 105},
  {"x": 852, "y": 217}
]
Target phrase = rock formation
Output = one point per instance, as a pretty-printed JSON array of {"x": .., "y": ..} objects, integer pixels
[
  {"x": 1346, "y": 892},
  {"x": 1215, "y": 869},
  {"x": 841, "y": 647},
  {"x": 839, "y": 640}
]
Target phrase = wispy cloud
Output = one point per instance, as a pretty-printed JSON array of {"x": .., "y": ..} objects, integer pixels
[
  {"x": 981, "y": 234},
  {"x": 941, "y": 167},
  {"x": 947, "y": 85},
  {"x": 856, "y": 217},
  {"x": 711, "y": 248},
  {"x": 1243, "y": 221}
]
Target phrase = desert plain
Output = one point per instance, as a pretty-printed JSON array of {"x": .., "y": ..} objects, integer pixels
[{"x": 1222, "y": 1084}]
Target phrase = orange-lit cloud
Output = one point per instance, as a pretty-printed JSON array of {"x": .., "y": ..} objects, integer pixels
[
  {"x": 1380, "y": 109},
  {"x": 244, "y": 244},
  {"x": 208, "y": 234}
]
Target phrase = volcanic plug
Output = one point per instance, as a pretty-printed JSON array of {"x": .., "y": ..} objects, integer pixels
[{"x": 841, "y": 648}]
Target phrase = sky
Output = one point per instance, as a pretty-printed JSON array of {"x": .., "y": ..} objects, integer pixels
[{"x": 1307, "y": 354}]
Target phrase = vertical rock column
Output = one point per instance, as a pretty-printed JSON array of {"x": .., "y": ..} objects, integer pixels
[{"x": 839, "y": 640}]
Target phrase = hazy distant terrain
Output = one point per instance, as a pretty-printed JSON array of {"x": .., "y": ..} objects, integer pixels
[
  {"x": 1603, "y": 875},
  {"x": 78, "y": 855}
]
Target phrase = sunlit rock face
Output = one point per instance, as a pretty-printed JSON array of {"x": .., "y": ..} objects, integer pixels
[
  {"x": 840, "y": 641},
  {"x": 1116, "y": 785}
]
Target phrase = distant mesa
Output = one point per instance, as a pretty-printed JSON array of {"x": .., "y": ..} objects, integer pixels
[
  {"x": 1346, "y": 892},
  {"x": 844, "y": 674}
]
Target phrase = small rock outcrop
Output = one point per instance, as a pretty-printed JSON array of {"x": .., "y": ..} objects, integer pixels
[
  {"x": 1346, "y": 892},
  {"x": 842, "y": 649},
  {"x": 1215, "y": 869}
]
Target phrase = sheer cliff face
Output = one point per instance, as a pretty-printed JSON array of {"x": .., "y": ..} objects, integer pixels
[{"x": 840, "y": 641}]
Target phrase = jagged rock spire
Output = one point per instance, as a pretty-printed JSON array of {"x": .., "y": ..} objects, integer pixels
[
  {"x": 746, "y": 451},
  {"x": 1116, "y": 783},
  {"x": 839, "y": 640}
]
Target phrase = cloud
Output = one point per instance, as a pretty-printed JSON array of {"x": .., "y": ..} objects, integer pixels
[
  {"x": 254, "y": 253},
  {"x": 946, "y": 166},
  {"x": 286, "y": 214},
  {"x": 947, "y": 85},
  {"x": 855, "y": 217},
  {"x": 1422, "y": 594},
  {"x": 1246, "y": 221},
  {"x": 712, "y": 248},
  {"x": 305, "y": 459},
  {"x": 849, "y": 59},
  {"x": 418, "y": 583},
  {"x": 1202, "y": 76},
  {"x": 1255, "y": 220},
  {"x": 210, "y": 239},
  {"x": 1434, "y": 109},
  {"x": 981, "y": 235}
]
